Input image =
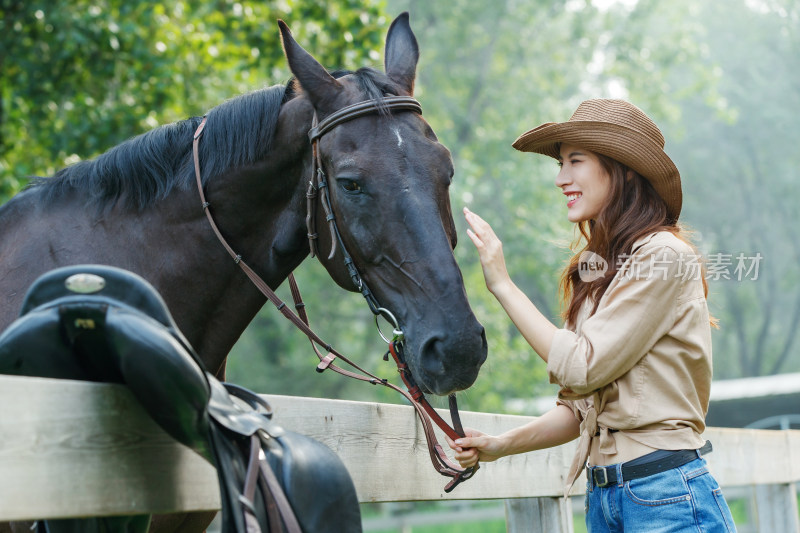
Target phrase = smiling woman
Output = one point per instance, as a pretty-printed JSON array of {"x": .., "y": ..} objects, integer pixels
[
  {"x": 585, "y": 182},
  {"x": 634, "y": 358}
]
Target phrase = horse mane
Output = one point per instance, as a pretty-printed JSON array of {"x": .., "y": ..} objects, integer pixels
[{"x": 148, "y": 167}]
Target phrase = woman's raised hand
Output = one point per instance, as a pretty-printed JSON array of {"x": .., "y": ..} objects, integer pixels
[{"x": 490, "y": 250}]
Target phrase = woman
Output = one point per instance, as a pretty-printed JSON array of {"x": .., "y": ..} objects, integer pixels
[{"x": 634, "y": 359}]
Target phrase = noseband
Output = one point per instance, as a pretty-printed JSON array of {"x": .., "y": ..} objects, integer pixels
[{"x": 317, "y": 183}]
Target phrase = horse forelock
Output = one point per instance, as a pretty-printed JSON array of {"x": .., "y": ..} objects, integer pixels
[
  {"x": 373, "y": 84},
  {"x": 146, "y": 168}
]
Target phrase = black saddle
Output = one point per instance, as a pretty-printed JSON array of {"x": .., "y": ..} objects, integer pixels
[{"x": 100, "y": 323}]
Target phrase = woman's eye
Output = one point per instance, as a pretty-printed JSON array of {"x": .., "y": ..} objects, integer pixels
[{"x": 350, "y": 186}]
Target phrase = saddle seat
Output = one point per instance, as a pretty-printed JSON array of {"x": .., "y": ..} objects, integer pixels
[{"x": 105, "y": 324}]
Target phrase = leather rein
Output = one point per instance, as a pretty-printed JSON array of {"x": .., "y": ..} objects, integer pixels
[{"x": 426, "y": 413}]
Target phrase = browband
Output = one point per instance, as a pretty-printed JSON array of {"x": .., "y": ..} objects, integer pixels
[{"x": 360, "y": 109}]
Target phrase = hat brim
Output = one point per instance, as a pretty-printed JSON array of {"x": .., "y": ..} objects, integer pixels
[{"x": 618, "y": 142}]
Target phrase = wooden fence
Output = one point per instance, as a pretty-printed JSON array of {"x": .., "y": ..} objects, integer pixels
[{"x": 71, "y": 448}]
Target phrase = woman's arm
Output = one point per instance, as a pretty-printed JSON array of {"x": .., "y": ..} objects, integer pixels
[
  {"x": 553, "y": 428},
  {"x": 531, "y": 323}
]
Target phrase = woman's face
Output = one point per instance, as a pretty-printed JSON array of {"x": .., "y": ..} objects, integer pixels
[{"x": 584, "y": 182}]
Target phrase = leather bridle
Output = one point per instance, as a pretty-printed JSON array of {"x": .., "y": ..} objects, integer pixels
[{"x": 318, "y": 182}]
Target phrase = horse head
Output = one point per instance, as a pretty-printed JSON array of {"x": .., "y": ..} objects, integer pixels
[{"x": 388, "y": 177}]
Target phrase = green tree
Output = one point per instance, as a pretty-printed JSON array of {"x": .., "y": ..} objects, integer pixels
[
  {"x": 739, "y": 155},
  {"x": 77, "y": 79}
]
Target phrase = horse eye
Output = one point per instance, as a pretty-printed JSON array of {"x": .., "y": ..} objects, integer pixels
[{"x": 350, "y": 186}]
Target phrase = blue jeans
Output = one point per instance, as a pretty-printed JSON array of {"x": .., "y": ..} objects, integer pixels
[{"x": 684, "y": 499}]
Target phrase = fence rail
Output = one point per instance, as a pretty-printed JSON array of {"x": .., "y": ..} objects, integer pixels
[{"x": 70, "y": 448}]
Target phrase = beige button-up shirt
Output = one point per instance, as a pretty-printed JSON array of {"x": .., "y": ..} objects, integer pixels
[{"x": 641, "y": 365}]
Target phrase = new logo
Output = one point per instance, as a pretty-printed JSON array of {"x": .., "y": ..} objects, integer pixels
[{"x": 591, "y": 266}]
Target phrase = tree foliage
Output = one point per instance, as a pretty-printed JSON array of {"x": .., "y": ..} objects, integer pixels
[
  {"x": 78, "y": 78},
  {"x": 739, "y": 154}
]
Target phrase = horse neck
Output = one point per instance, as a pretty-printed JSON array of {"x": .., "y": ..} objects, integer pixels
[
  {"x": 262, "y": 206},
  {"x": 261, "y": 211}
]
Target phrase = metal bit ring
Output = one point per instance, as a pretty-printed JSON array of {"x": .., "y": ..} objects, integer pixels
[{"x": 397, "y": 333}]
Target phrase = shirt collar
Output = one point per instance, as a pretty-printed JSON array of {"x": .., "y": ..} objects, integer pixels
[{"x": 641, "y": 241}]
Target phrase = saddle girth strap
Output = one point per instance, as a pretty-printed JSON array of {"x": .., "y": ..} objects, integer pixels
[{"x": 281, "y": 517}]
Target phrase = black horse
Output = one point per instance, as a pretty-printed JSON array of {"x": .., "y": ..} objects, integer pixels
[{"x": 136, "y": 207}]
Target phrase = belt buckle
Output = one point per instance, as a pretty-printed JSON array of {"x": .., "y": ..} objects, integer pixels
[{"x": 595, "y": 475}]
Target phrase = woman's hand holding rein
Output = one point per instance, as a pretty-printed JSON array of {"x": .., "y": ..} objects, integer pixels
[{"x": 554, "y": 428}]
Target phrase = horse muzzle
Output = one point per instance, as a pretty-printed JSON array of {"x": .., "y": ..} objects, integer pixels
[{"x": 446, "y": 362}]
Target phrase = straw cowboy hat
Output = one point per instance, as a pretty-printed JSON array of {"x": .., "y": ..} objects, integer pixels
[{"x": 620, "y": 130}]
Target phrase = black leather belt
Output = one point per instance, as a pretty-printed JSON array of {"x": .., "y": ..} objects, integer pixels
[{"x": 603, "y": 476}]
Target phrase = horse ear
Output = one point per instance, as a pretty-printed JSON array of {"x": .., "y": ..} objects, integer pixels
[
  {"x": 318, "y": 84},
  {"x": 402, "y": 54}
]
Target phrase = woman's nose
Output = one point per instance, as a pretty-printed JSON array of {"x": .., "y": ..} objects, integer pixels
[{"x": 562, "y": 178}]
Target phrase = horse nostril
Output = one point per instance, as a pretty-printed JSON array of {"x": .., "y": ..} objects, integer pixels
[
  {"x": 484, "y": 347},
  {"x": 448, "y": 363},
  {"x": 431, "y": 357}
]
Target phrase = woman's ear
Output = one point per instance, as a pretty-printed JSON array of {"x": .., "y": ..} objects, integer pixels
[{"x": 629, "y": 175}]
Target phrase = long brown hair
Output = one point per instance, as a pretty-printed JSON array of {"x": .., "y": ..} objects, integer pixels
[{"x": 633, "y": 210}]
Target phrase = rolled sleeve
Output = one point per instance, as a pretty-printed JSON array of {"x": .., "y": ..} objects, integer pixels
[
  {"x": 562, "y": 363},
  {"x": 637, "y": 309}
]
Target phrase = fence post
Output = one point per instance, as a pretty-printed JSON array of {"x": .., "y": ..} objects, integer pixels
[
  {"x": 776, "y": 508},
  {"x": 539, "y": 515}
]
